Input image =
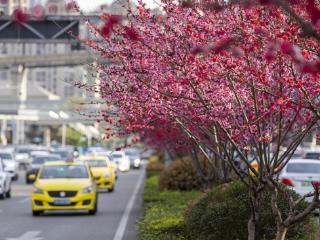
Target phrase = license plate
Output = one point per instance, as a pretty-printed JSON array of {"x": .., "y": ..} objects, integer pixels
[
  {"x": 306, "y": 184},
  {"x": 62, "y": 202}
]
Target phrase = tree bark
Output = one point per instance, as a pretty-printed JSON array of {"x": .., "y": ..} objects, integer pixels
[
  {"x": 281, "y": 233},
  {"x": 254, "y": 202},
  {"x": 252, "y": 228}
]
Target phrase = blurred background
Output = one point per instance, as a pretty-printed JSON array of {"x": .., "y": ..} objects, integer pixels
[{"x": 41, "y": 69}]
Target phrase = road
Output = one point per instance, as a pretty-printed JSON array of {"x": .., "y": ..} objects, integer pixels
[{"x": 115, "y": 220}]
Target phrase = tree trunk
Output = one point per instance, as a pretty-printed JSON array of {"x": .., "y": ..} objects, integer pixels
[
  {"x": 281, "y": 233},
  {"x": 252, "y": 228}
]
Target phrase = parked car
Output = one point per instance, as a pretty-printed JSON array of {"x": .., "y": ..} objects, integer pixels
[
  {"x": 5, "y": 182},
  {"x": 10, "y": 164},
  {"x": 134, "y": 157},
  {"x": 36, "y": 163},
  {"x": 300, "y": 174},
  {"x": 121, "y": 159}
]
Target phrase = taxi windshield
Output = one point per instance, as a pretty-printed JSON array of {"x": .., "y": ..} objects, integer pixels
[
  {"x": 64, "y": 171},
  {"x": 97, "y": 163}
]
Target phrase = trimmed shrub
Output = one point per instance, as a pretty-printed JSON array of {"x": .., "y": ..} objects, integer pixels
[
  {"x": 180, "y": 175},
  {"x": 223, "y": 213},
  {"x": 154, "y": 169},
  {"x": 163, "y": 212}
]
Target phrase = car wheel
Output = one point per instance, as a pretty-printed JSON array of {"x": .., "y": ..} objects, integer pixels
[
  {"x": 8, "y": 194},
  {"x": 36, "y": 213},
  {"x": 2, "y": 195},
  {"x": 16, "y": 177},
  {"x": 28, "y": 181},
  {"x": 111, "y": 189},
  {"x": 94, "y": 211}
]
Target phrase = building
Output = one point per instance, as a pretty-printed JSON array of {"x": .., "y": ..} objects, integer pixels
[
  {"x": 57, "y": 80},
  {"x": 8, "y": 6}
]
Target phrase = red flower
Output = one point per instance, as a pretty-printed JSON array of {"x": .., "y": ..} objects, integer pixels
[
  {"x": 286, "y": 47},
  {"x": 38, "y": 11},
  {"x": 131, "y": 33},
  {"x": 313, "y": 11},
  {"x": 19, "y": 16},
  {"x": 280, "y": 101}
]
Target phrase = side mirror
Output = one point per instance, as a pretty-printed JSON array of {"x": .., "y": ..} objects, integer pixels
[{"x": 32, "y": 177}]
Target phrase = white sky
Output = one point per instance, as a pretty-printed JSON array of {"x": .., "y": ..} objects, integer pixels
[{"x": 88, "y": 5}]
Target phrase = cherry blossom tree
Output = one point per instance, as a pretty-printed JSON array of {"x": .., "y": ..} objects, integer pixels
[{"x": 239, "y": 81}]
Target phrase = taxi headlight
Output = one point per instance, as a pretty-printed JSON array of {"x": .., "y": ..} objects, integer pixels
[
  {"x": 37, "y": 190},
  {"x": 108, "y": 174},
  {"x": 87, "y": 190}
]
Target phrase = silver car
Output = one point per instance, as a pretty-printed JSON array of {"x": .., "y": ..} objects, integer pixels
[
  {"x": 301, "y": 174},
  {"x": 11, "y": 166}
]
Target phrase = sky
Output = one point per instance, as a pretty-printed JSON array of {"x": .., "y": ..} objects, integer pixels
[{"x": 89, "y": 5}]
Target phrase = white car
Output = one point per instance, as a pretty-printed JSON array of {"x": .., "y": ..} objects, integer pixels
[
  {"x": 134, "y": 157},
  {"x": 121, "y": 159},
  {"x": 5, "y": 182},
  {"x": 10, "y": 164},
  {"x": 300, "y": 174},
  {"x": 312, "y": 154},
  {"x": 22, "y": 156}
]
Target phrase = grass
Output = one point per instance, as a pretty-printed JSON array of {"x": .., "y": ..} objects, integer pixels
[{"x": 163, "y": 218}]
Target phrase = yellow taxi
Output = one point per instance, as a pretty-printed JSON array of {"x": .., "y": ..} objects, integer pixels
[
  {"x": 64, "y": 185},
  {"x": 102, "y": 170}
]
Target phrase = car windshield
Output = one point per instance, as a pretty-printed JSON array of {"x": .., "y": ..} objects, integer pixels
[
  {"x": 6, "y": 156},
  {"x": 313, "y": 155},
  {"x": 41, "y": 160},
  {"x": 303, "y": 168},
  {"x": 63, "y": 154},
  {"x": 97, "y": 163},
  {"x": 64, "y": 171},
  {"x": 116, "y": 155},
  {"x": 28, "y": 151},
  {"x": 132, "y": 154}
]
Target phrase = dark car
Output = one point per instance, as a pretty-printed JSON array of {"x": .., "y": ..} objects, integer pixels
[{"x": 36, "y": 163}]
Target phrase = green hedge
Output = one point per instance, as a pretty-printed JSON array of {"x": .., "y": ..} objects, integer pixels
[
  {"x": 163, "y": 217},
  {"x": 223, "y": 213},
  {"x": 181, "y": 175},
  {"x": 154, "y": 169},
  {"x": 164, "y": 211}
]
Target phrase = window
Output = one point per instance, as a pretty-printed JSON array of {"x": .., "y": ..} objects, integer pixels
[
  {"x": 40, "y": 77},
  {"x": 40, "y": 49},
  {"x": 3, "y": 49},
  {"x": 306, "y": 168},
  {"x": 3, "y": 75}
]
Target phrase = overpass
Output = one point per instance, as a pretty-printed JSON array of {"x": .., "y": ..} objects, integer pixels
[
  {"x": 52, "y": 60},
  {"x": 14, "y": 102}
]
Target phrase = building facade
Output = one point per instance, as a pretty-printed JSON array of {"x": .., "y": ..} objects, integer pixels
[{"x": 57, "y": 80}]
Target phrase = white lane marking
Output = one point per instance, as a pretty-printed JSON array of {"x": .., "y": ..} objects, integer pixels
[
  {"x": 31, "y": 235},
  {"x": 125, "y": 216},
  {"x": 25, "y": 200}
]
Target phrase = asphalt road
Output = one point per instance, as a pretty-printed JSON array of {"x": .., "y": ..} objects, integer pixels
[{"x": 115, "y": 220}]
